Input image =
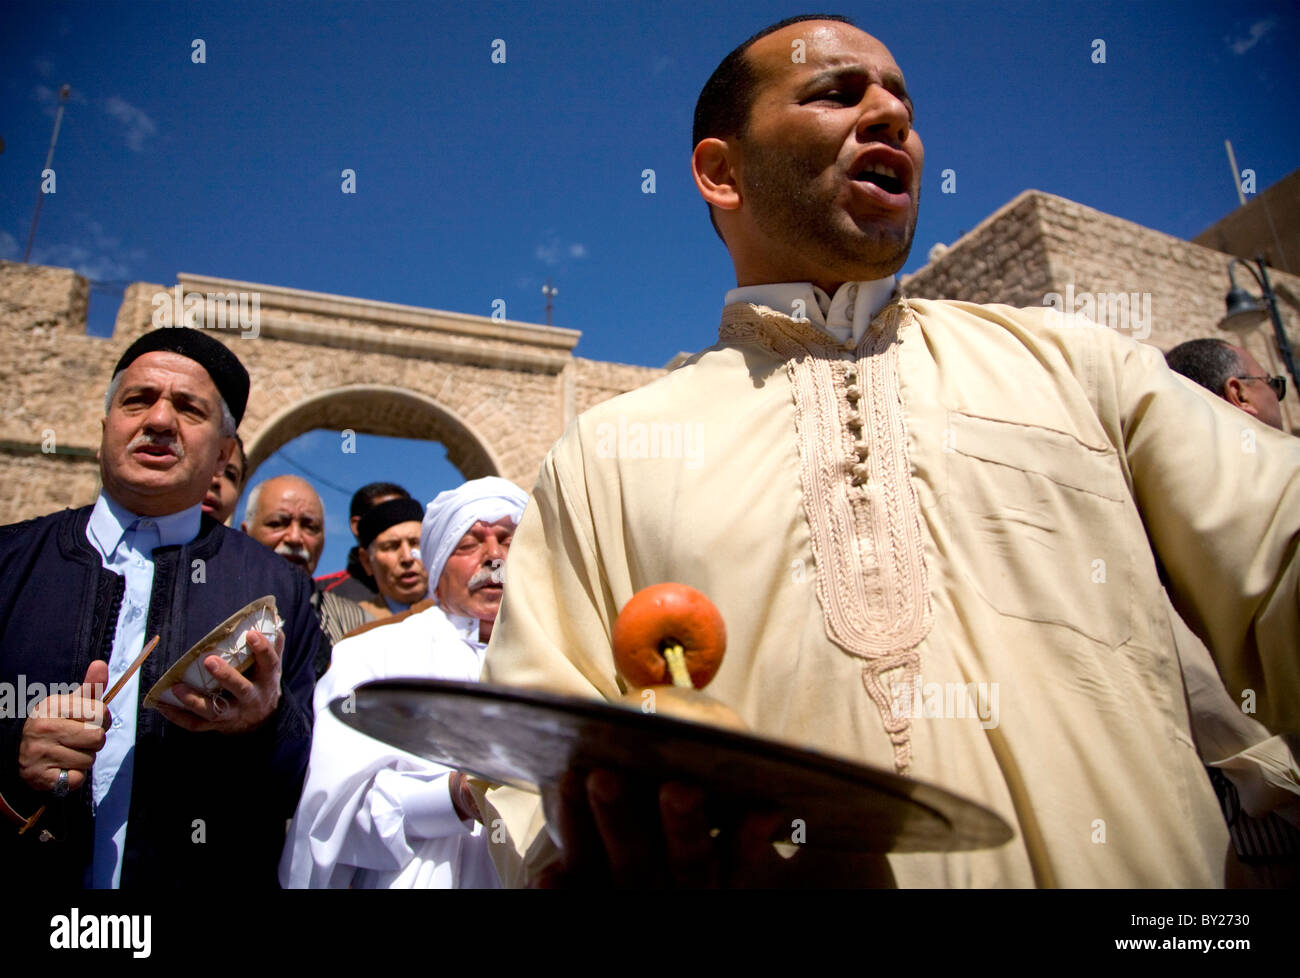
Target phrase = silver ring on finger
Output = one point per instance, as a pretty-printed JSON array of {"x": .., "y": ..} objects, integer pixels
[{"x": 61, "y": 785}]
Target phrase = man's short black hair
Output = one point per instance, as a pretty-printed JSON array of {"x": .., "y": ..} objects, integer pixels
[
  {"x": 363, "y": 500},
  {"x": 1211, "y": 363},
  {"x": 728, "y": 96}
]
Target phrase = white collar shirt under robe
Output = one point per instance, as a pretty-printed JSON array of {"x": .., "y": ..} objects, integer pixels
[
  {"x": 372, "y": 816},
  {"x": 845, "y": 316}
]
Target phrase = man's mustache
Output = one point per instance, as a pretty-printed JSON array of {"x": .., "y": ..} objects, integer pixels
[
  {"x": 493, "y": 573},
  {"x": 148, "y": 439},
  {"x": 298, "y": 551}
]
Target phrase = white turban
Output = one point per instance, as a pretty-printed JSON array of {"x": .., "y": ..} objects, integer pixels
[{"x": 453, "y": 512}]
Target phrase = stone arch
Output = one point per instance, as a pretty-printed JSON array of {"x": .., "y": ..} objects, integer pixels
[{"x": 376, "y": 410}]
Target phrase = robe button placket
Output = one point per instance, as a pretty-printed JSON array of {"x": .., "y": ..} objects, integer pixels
[{"x": 853, "y": 395}]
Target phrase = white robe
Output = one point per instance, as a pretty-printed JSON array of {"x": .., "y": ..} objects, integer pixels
[{"x": 372, "y": 816}]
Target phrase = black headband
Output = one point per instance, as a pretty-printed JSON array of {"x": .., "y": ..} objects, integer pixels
[
  {"x": 227, "y": 373},
  {"x": 385, "y": 515}
]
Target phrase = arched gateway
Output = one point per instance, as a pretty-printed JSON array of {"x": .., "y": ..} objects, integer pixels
[{"x": 377, "y": 410}]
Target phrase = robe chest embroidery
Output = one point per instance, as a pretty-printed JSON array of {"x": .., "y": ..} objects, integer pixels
[{"x": 858, "y": 497}]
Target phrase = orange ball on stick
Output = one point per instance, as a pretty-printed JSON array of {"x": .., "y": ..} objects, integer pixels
[{"x": 669, "y": 633}]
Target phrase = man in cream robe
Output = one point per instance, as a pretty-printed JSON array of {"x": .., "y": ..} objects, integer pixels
[
  {"x": 371, "y": 815},
  {"x": 888, "y": 498}
]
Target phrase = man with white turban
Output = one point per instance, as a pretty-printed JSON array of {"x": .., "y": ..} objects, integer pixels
[{"x": 372, "y": 816}]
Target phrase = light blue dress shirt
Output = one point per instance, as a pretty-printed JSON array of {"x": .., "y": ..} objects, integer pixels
[
  {"x": 396, "y": 607},
  {"x": 125, "y": 543}
]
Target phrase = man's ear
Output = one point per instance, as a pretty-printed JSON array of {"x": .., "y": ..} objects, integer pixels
[
  {"x": 353, "y": 523},
  {"x": 1232, "y": 391},
  {"x": 243, "y": 527},
  {"x": 714, "y": 168},
  {"x": 223, "y": 456},
  {"x": 364, "y": 556},
  {"x": 1236, "y": 394}
]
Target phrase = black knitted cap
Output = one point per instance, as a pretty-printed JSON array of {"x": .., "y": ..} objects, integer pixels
[
  {"x": 385, "y": 515},
  {"x": 227, "y": 373}
]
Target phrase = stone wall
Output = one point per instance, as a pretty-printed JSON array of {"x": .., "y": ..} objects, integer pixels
[
  {"x": 1004, "y": 259},
  {"x": 49, "y": 426},
  {"x": 1267, "y": 225}
]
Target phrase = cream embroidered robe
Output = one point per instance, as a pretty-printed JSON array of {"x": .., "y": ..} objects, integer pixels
[{"x": 974, "y": 495}]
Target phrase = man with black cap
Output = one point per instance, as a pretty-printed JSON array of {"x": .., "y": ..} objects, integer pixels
[
  {"x": 389, "y": 548},
  {"x": 354, "y": 582},
  {"x": 126, "y": 796}
]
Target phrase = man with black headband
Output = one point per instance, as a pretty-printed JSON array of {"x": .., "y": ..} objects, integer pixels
[
  {"x": 388, "y": 537},
  {"x": 353, "y": 582},
  {"x": 134, "y": 797}
]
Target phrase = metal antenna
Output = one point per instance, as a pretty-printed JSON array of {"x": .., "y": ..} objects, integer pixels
[
  {"x": 550, "y": 292},
  {"x": 64, "y": 92},
  {"x": 1236, "y": 174}
]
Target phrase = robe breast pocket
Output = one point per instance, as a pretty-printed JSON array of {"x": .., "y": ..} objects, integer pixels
[{"x": 1045, "y": 524}]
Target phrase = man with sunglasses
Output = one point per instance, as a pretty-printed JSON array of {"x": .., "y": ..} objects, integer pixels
[
  {"x": 1254, "y": 774},
  {"x": 1233, "y": 374}
]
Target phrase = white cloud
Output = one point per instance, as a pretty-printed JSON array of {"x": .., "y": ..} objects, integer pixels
[
  {"x": 8, "y": 246},
  {"x": 1257, "y": 32},
  {"x": 44, "y": 66},
  {"x": 47, "y": 98},
  {"x": 139, "y": 126},
  {"x": 554, "y": 251}
]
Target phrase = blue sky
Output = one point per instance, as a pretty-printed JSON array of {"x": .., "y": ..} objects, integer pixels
[{"x": 478, "y": 180}]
